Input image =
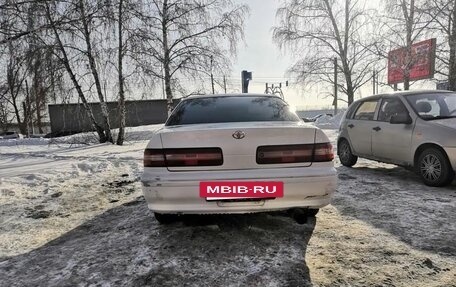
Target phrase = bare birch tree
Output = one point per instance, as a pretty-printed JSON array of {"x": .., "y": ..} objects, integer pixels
[
  {"x": 100, "y": 45},
  {"x": 183, "y": 37},
  {"x": 86, "y": 20},
  {"x": 400, "y": 25},
  {"x": 317, "y": 31},
  {"x": 122, "y": 109},
  {"x": 40, "y": 77},
  {"x": 65, "y": 60},
  {"x": 16, "y": 75},
  {"x": 442, "y": 15}
]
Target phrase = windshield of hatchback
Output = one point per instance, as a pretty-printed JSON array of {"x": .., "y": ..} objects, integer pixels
[
  {"x": 231, "y": 109},
  {"x": 434, "y": 106}
]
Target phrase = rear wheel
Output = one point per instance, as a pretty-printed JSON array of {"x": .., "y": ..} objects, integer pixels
[
  {"x": 345, "y": 154},
  {"x": 299, "y": 215},
  {"x": 311, "y": 212},
  {"x": 434, "y": 168},
  {"x": 165, "y": 218}
]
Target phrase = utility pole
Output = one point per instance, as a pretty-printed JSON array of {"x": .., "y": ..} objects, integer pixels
[
  {"x": 373, "y": 83},
  {"x": 224, "y": 83},
  {"x": 335, "y": 86}
]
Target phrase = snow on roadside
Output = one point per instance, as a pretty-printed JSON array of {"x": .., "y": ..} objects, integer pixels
[
  {"x": 42, "y": 205},
  {"x": 131, "y": 134},
  {"x": 329, "y": 122},
  {"x": 49, "y": 186}
]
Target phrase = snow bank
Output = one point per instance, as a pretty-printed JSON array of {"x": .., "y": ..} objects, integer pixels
[
  {"x": 24, "y": 141},
  {"x": 329, "y": 122},
  {"x": 131, "y": 134}
]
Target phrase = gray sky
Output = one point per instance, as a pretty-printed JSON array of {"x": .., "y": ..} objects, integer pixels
[{"x": 267, "y": 62}]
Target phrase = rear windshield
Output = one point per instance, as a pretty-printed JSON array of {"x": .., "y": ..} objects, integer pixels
[{"x": 231, "y": 109}]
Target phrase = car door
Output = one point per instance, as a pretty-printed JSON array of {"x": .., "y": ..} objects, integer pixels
[
  {"x": 359, "y": 127},
  {"x": 392, "y": 142}
]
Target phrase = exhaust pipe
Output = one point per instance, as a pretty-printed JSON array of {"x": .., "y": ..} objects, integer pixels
[{"x": 299, "y": 215}]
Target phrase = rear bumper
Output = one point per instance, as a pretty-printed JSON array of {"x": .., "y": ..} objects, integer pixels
[{"x": 179, "y": 192}]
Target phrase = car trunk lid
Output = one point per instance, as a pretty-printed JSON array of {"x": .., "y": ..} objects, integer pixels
[{"x": 238, "y": 141}]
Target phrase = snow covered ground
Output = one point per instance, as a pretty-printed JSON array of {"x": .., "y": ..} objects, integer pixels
[{"x": 72, "y": 214}]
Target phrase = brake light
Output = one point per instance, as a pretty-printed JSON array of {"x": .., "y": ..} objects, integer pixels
[
  {"x": 294, "y": 153},
  {"x": 284, "y": 154},
  {"x": 323, "y": 152},
  {"x": 183, "y": 157},
  {"x": 154, "y": 158}
]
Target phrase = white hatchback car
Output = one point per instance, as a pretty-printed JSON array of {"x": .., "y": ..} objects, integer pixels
[
  {"x": 247, "y": 138},
  {"x": 414, "y": 129}
]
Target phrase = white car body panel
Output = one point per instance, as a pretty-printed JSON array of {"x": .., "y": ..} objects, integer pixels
[
  {"x": 303, "y": 187},
  {"x": 175, "y": 190}
]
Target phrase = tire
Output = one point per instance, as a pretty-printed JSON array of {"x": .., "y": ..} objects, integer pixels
[
  {"x": 434, "y": 168},
  {"x": 311, "y": 212},
  {"x": 345, "y": 154},
  {"x": 165, "y": 218},
  {"x": 299, "y": 215}
]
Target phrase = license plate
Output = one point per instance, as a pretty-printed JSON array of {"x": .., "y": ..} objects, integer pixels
[{"x": 222, "y": 190}]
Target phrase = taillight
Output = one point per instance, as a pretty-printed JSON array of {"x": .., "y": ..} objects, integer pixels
[
  {"x": 294, "y": 153},
  {"x": 323, "y": 152},
  {"x": 183, "y": 157},
  {"x": 154, "y": 158},
  {"x": 284, "y": 154}
]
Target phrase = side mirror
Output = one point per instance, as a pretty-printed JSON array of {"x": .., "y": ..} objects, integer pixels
[{"x": 401, "y": 119}]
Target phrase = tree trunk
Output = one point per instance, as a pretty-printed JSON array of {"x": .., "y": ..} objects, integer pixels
[
  {"x": 122, "y": 116},
  {"x": 452, "y": 60},
  {"x": 20, "y": 123},
  {"x": 38, "y": 91},
  {"x": 93, "y": 69},
  {"x": 166, "y": 58},
  {"x": 39, "y": 117},
  {"x": 348, "y": 80},
  {"x": 35, "y": 65},
  {"x": 409, "y": 18},
  {"x": 342, "y": 44},
  {"x": 66, "y": 62},
  {"x": 14, "y": 88},
  {"x": 345, "y": 64}
]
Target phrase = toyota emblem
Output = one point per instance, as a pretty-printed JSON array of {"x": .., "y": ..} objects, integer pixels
[{"x": 238, "y": 135}]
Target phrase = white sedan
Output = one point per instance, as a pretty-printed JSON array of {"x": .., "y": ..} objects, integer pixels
[{"x": 237, "y": 153}]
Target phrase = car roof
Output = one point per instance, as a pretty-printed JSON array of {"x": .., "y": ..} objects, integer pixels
[
  {"x": 404, "y": 93},
  {"x": 230, "y": 95}
]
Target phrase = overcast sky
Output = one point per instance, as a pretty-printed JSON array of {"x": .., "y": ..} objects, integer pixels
[{"x": 267, "y": 62}]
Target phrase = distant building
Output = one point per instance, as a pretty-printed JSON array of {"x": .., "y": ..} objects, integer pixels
[{"x": 72, "y": 118}]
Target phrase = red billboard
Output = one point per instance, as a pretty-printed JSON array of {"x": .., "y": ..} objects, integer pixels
[{"x": 422, "y": 62}]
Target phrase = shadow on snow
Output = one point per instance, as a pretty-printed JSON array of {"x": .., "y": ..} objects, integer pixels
[
  {"x": 125, "y": 246},
  {"x": 395, "y": 200}
]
